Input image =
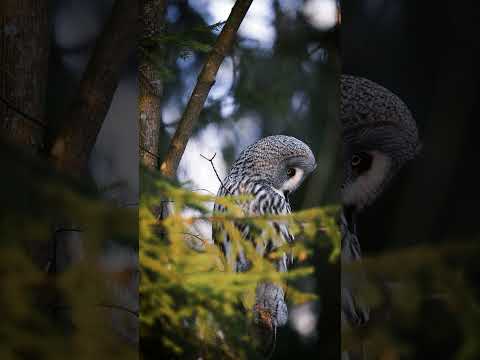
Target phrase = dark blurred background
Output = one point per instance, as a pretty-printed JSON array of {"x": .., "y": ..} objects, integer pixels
[
  {"x": 114, "y": 160},
  {"x": 59, "y": 295},
  {"x": 429, "y": 59},
  {"x": 428, "y": 55}
]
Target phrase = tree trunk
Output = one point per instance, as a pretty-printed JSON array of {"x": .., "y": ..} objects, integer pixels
[
  {"x": 150, "y": 87},
  {"x": 71, "y": 146},
  {"x": 24, "y": 49}
]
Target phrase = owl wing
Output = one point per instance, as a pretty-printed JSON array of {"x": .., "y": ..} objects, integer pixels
[
  {"x": 269, "y": 297},
  {"x": 269, "y": 201},
  {"x": 266, "y": 201}
]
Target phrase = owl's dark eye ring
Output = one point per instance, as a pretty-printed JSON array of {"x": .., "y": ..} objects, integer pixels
[
  {"x": 356, "y": 160},
  {"x": 291, "y": 172},
  {"x": 361, "y": 162}
]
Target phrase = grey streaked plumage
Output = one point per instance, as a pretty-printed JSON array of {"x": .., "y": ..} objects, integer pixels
[
  {"x": 379, "y": 135},
  {"x": 374, "y": 121},
  {"x": 262, "y": 170}
]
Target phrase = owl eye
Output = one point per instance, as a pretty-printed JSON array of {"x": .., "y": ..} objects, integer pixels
[
  {"x": 291, "y": 172},
  {"x": 361, "y": 162},
  {"x": 356, "y": 160}
]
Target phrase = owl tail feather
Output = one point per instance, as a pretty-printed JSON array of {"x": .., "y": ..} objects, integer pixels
[{"x": 269, "y": 312}]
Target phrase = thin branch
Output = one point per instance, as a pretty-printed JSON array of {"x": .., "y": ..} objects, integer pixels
[
  {"x": 155, "y": 156},
  {"x": 274, "y": 343},
  {"x": 314, "y": 49},
  {"x": 205, "y": 81},
  {"x": 110, "y": 306},
  {"x": 203, "y": 241},
  {"x": 216, "y": 173},
  {"x": 196, "y": 247},
  {"x": 245, "y": 218},
  {"x": 129, "y": 204},
  {"x": 23, "y": 114},
  {"x": 206, "y": 190},
  {"x": 118, "y": 307}
]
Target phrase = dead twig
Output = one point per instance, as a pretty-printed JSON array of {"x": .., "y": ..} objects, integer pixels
[
  {"x": 206, "y": 190},
  {"x": 22, "y": 113},
  {"x": 216, "y": 173},
  {"x": 104, "y": 305}
]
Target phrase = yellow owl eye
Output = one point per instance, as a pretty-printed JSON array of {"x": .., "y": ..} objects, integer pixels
[{"x": 290, "y": 172}]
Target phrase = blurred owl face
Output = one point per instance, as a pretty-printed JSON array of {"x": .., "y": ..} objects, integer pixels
[
  {"x": 366, "y": 173},
  {"x": 379, "y": 135}
]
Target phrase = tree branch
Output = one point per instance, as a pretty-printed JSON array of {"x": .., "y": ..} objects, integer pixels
[
  {"x": 205, "y": 81},
  {"x": 71, "y": 146}
]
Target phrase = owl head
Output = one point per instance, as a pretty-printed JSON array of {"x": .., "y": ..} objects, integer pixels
[
  {"x": 379, "y": 135},
  {"x": 283, "y": 161}
]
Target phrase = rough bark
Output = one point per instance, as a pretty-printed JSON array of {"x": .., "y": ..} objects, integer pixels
[
  {"x": 205, "y": 81},
  {"x": 150, "y": 86},
  {"x": 24, "y": 49},
  {"x": 73, "y": 142}
]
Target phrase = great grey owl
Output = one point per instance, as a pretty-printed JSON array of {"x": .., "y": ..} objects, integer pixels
[
  {"x": 270, "y": 170},
  {"x": 379, "y": 136}
]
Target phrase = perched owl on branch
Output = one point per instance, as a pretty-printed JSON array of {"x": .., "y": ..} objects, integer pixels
[{"x": 269, "y": 170}]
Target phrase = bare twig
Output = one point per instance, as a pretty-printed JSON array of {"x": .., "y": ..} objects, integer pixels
[
  {"x": 205, "y": 81},
  {"x": 216, "y": 173},
  {"x": 104, "y": 305},
  {"x": 22, "y": 113},
  {"x": 206, "y": 190},
  {"x": 274, "y": 344},
  {"x": 155, "y": 156},
  {"x": 127, "y": 204},
  {"x": 203, "y": 241},
  {"x": 314, "y": 49},
  {"x": 118, "y": 307}
]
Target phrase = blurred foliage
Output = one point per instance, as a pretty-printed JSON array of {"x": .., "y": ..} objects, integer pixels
[
  {"x": 155, "y": 48},
  {"x": 46, "y": 315},
  {"x": 192, "y": 304},
  {"x": 423, "y": 299}
]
